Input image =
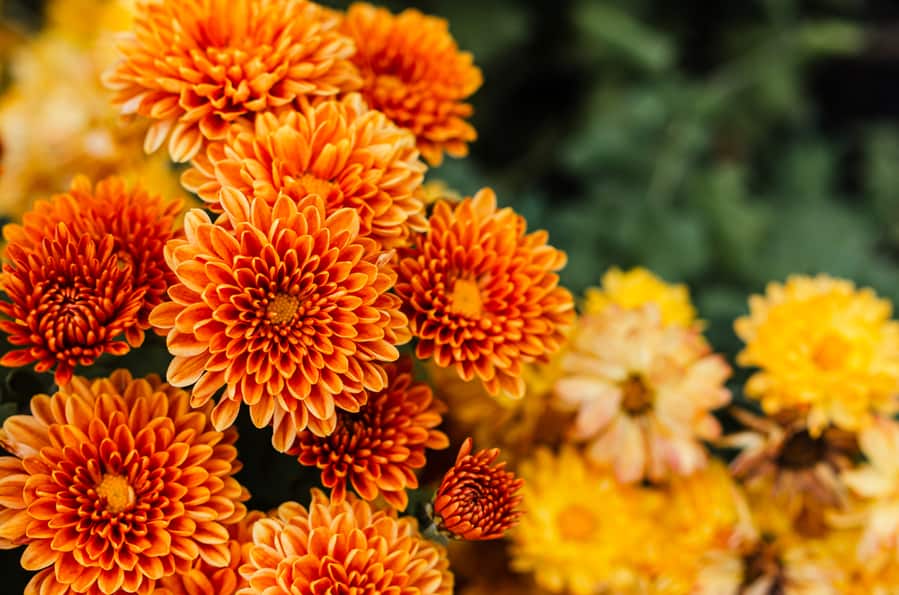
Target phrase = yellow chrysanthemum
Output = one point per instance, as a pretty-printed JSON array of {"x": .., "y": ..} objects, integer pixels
[
  {"x": 56, "y": 122},
  {"x": 583, "y": 532},
  {"x": 637, "y": 287},
  {"x": 823, "y": 347},
  {"x": 81, "y": 20},
  {"x": 703, "y": 512}
]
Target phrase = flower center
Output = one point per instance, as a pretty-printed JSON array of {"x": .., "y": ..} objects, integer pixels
[
  {"x": 636, "y": 398},
  {"x": 576, "y": 523},
  {"x": 831, "y": 352},
  {"x": 116, "y": 492},
  {"x": 466, "y": 298},
  {"x": 282, "y": 308},
  {"x": 801, "y": 451},
  {"x": 763, "y": 561},
  {"x": 309, "y": 184}
]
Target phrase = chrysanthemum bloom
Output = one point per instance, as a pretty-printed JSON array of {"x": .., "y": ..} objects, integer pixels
[
  {"x": 194, "y": 67},
  {"x": 768, "y": 568},
  {"x": 703, "y": 512},
  {"x": 140, "y": 224},
  {"x": 481, "y": 295},
  {"x": 126, "y": 484},
  {"x": 584, "y": 533},
  {"x": 70, "y": 301},
  {"x": 477, "y": 499},
  {"x": 290, "y": 310},
  {"x": 343, "y": 547},
  {"x": 349, "y": 155},
  {"x": 877, "y": 482},
  {"x": 637, "y": 287},
  {"x": 803, "y": 473},
  {"x": 378, "y": 448},
  {"x": 767, "y": 557},
  {"x": 413, "y": 71},
  {"x": 643, "y": 392},
  {"x": 205, "y": 579},
  {"x": 823, "y": 347},
  {"x": 13, "y": 512}
]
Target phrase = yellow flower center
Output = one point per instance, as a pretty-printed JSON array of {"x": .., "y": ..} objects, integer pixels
[
  {"x": 309, "y": 184},
  {"x": 576, "y": 523},
  {"x": 116, "y": 492},
  {"x": 282, "y": 308},
  {"x": 831, "y": 352},
  {"x": 466, "y": 298},
  {"x": 636, "y": 398}
]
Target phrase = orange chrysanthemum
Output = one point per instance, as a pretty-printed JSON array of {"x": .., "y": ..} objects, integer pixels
[
  {"x": 69, "y": 301},
  {"x": 378, "y": 448},
  {"x": 477, "y": 499},
  {"x": 139, "y": 222},
  {"x": 351, "y": 156},
  {"x": 196, "y": 66},
  {"x": 126, "y": 484},
  {"x": 481, "y": 295},
  {"x": 343, "y": 547},
  {"x": 205, "y": 579},
  {"x": 289, "y": 310},
  {"x": 414, "y": 72}
]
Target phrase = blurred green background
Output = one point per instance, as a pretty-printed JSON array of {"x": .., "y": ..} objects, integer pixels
[{"x": 720, "y": 144}]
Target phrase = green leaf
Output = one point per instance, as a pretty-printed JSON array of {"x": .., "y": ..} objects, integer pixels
[{"x": 613, "y": 31}]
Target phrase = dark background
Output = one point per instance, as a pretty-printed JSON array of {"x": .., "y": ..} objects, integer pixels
[{"x": 721, "y": 144}]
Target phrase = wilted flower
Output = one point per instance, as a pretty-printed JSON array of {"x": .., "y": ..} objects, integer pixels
[
  {"x": 643, "y": 392},
  {"x": 378, "y": 448},
  {"x": 477, "y": 499},
  {"x": 801, "y": 472},
  {"x": 413, "y": 71},
  {"x": 483, "y": 297},
  {"x": 824, "y": 348},
  {"x": 287, "y": 308},
  {"x": 342, "y": 547},
  {"x": 194, "y": 67},
  {"x": 126, "y": 484}
]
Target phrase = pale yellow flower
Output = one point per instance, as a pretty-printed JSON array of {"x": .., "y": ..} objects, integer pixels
[
  {"x": 822, "y": 347},
  {"x": 643, "y": 392},
  {"x": 877, "y": 483},
  {"x": 637, "y": 287},
  {"x": 765, "y": 555}
]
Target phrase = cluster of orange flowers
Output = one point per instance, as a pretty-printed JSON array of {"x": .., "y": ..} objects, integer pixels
[
  {"x": 323, "y": 278},
  {"x": 293, "y": 293}
]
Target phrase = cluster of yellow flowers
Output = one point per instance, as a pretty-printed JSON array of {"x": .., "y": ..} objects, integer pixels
[
  {"x": 622, "y": 492},
  {"x": 321, "y": 269}
]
